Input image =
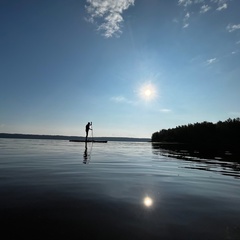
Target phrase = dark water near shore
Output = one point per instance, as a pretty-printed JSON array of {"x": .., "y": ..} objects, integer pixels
[{"x": 51, "y": 189}]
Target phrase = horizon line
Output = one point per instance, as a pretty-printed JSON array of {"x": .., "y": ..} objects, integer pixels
[{"x": 58, "y": 135}]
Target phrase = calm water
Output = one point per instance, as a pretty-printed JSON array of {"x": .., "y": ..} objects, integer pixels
[{"x": 119, "y": 190}]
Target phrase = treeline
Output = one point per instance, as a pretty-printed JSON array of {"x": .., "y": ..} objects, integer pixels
[
  {"x": 227, "y": 132},
  {"x": 60, "y": 137}
]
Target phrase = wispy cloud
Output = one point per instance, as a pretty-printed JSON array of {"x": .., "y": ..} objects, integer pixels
[
  {"x": 165, "y": 110},
  {"x": 219, "y": 2},
  {"x": 122, "y": 99},
  {"x": 200, "y": 7},
  {"x": 185, "y": 20},
  {"x": 119, "y": 99},
  {"x": 207, "y": 4},
  {"x": 185, "y": 3},
  {"x": 222, "y": 4},
  {"x": 205, "y": 8},
  {"x": 187, "y": 16},
  {"x": 220, "y": 8},
  {"x": 185, "y": 25},
  {"x": 107, "y": 14},
  {"x": 199, "y": 1},
  {"x": 175, "y": 20},
  {"x": 233, "y": 27},
  {"x": 211, "y": 60}
]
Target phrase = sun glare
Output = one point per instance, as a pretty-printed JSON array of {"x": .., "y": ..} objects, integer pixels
[
  {"x": 147, "y": 201},
  {"x": 147, "y": 92}
]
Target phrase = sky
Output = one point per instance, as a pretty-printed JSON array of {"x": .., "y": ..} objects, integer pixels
[{"x": 131, "y": 67}]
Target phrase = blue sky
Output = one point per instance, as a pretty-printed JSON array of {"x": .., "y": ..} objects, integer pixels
[{"x": 130, "y": 67}]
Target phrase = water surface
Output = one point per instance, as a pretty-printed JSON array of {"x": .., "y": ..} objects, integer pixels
[{"x": 57, "y": 189}]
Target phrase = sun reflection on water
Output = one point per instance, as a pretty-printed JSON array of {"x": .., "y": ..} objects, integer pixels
[{"x": 148, "y": 201}]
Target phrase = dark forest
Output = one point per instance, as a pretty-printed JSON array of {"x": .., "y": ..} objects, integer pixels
[{"x": 227, "y": 132}]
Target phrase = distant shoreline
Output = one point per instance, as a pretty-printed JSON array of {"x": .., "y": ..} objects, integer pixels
[{"x": 61, "y": 137}]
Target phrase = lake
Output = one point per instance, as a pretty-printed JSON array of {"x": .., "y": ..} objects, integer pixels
[{"x": 51, "y": 189}]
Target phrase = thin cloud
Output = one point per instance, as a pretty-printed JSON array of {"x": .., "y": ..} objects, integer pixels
[
  {"x": 211, "y": 61},
  {"x": 107, "y": 14},
  {"x": 199, "y": 1},
  {"x": 187, "y": 16},
  {"x": 185, "y": 3},
  {"x": 165, "y": 110},
  {"x": 119, "y": 99},
  {"x": 175, "y": 20},
  {"x": 122, "y": 99},
  {"x": 222, "y": 4},
  {"x": 185, "y": 20},
  {"x": 205, "y": 8},
  {"x": 219, "y": 2},
  {"x": 233, "y": 27},
  {"x": 220, "y": 8}
]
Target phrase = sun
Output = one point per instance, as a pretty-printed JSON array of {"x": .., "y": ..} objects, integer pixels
[{"x": 148, "y": 92}]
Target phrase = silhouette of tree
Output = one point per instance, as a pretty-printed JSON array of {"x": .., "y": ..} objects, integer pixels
[{"x": 227, "y": 132}]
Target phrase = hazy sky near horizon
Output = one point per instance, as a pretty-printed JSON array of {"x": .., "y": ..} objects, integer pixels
[{"x": 132, "y": 67}]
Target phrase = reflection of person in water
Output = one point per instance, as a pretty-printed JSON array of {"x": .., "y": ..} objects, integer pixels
[
  {"x": 85, "y": 155},
  {"x": 87, "y": 129}
]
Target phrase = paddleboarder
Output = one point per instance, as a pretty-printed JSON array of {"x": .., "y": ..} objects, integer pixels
[{"x": 87, "y": 129}]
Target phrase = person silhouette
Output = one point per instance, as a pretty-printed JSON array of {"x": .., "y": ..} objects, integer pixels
[{"x": 87, "y": 130}]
